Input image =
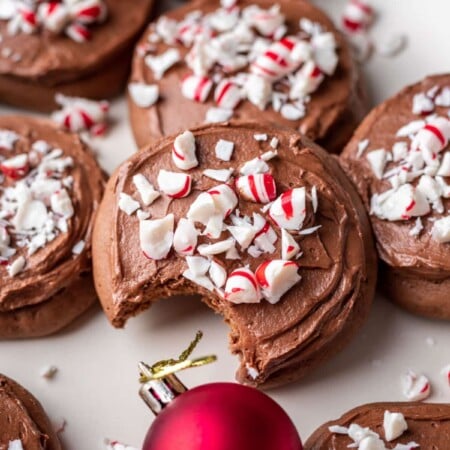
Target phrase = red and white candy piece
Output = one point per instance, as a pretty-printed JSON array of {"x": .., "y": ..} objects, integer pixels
[
  {"x": 79, "y": 114},
  {"x": 224, "y": 198},
  {"x": 289, "y": 246},
  {"x": 276, "y": 277},
  {"x": 266, "y": 21},
  {"x": 258, "y": 188},
  {"x": 174, "y": 184},
  {"x": 54, "y": 16},
  {"x": 434, "y": 136},
  {"x": 265, "y": 236},
  {"x": 185, "y": 238},
  {"x": 415, "y": 387},
  {"x": 78, "y": 32},
  {"x": 446, "y": 373},
  {"x": 116, "y": 445},
  {"x": 28, "y": 18},
  {"x": 289, "y": 209},
  {"x": 197, "y": 88},
  {"x": 183, "y": 151},
  {"x": 16, "y": 167},
  {"x": 358, "y": 15},
  {"x": 307, "y": 80},
  {"x": 89, "y": 11},
  {"x": 242, "y": 287},
  {"x": 156, "y": 237},
  {"x": 400, "y": 204},
  {"x": 276, "y": 61},
  {"x": 227, "y": 94}
]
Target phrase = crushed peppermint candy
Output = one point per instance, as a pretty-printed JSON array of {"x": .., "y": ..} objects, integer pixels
[
  {"x": 15, "y": 445},
  {"x": 80, "y": 114},
  {"x": 237, "y": 54},
  {"x": 35, "y": 201},
  {"x": 72, "y": 18},
  {"x": 416, "y": 168},
  {"x": 116, "y": 445},
  {"x": 49, "y": 372},
  {"x": 214, "y": 230},
  {"x": 415, "y": 387},
  {"x": 364, "y": 438}
]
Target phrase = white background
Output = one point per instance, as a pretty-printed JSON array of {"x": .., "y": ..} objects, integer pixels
[{"x": 95, "y": 389}]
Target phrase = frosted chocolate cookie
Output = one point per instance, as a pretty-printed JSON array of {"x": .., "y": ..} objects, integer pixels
[
  {"x": 24, "y": 425},
  {"x": 260, "y": 222},
  {"x": 399, "y": 160},
  {"x": 50, "y": 187},
  {"x": 212, "y": 61},
  {"x": 75, "y": 47},
  {"x": 386, "y": 426}
]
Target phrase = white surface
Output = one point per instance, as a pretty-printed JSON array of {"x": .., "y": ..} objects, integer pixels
[{"x": 95, "y": 388}]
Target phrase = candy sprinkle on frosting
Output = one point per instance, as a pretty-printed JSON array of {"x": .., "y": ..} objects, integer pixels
[{"x": 214, "y": 225}]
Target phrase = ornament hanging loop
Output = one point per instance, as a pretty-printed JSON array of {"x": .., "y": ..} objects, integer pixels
[{"x": 160, "y": 385}]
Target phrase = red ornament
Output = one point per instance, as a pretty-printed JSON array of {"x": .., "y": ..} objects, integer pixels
[
  {"x": 216, "y": 416},
  {"x": 222, "y": 416}
]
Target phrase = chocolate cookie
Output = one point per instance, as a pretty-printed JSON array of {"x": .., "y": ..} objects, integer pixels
[
  {"x": 399, "y": 160},
  {"x": 248, "y": 59},
  {"x": 24, "y": 425},
  {"x": 79, "y": 48},
  {"x": 50, "y": 187},
  {"x": 260, "y": 222},
  {"x": 384, "y": 426}
]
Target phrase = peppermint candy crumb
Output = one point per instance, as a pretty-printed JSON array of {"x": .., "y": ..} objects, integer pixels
[
  {"x": 48, "y": 372},
  {"x": 78, "y": 248},
  {"x": 224, "y": 150}
]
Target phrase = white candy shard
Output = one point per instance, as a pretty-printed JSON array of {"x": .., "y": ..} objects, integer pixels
[
  {"x": 146, "y": 190},
  {"x": 61, "y": 204},
  {"x": 254, "y": 166},
  {"x": 15, "y": 445},
  {"x": 362, "y": 146},
  {"x": 127, "y": 204},
  {"x": 218, "y": 274},
  {"x": 217, "y": 115},
  {"x": 216, "y": 248},
  {"x": 371, "y": 443},
  {"x": 162, "y": 63},
  {"x": 306, "y": 81},
  {"x": 443, "y": 98},
  {"x": 156, "y": 237},
  {"x": 394, "y": 425},
  {"x": 289, "y": 246},
  {"x": 218, "y": 174},
  {"x": 377, "y": 160},
  {"x": 224, "y": 198},
  {"x": 444, "y": 168},
  {"x": 259, "y": 188},
  {"x": 422, "y": 104},
  {"x": 243, "y": 234},
  {"x": 265, "y": 237},
  {"x": 258, "y": 91},
  {"x": 434, "y": 136},
  {"x": 143, "y": 95},
  {"x": 415, "y": 387},
  {"x": 202, "y": 208},
  {"x": 78, "y": 248},
  {"x": 292, "y": 112},
  {"x": 289, "y": 209},
  {"x": 49, "y": 372},
  {"x": 185, "y": 237},
  {"x": 8, "y": 139},
  {"x": 174, "y": 184},
  {"x": 411, "y": 128},
  {"x": 183, "y": 151},
  {"x": 196, "y": 87},
  {"x": 276, "y": 277},
  {"x": 242, "y": 287},
  {"x": 16, "y": 266},
  {"x": 224, "y": 150},
  {"x": 441, "y": 230}
]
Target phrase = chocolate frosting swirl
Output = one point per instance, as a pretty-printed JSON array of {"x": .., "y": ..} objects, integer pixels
[
  {"x": 27, "y": 300},
  {"x": 23, "y": 418},
  {"x": 332, "y": 114},
  {"x": 314, "y": 319},
  {"x": 428, "y": 426},
  {"x": 418, "y": 267}
]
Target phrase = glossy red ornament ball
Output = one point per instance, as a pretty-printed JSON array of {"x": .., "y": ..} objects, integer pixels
[{"x": 222, "y": 416}]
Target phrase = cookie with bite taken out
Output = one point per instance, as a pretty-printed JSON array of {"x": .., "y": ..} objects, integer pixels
[{"x": 260, "y": 222}]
